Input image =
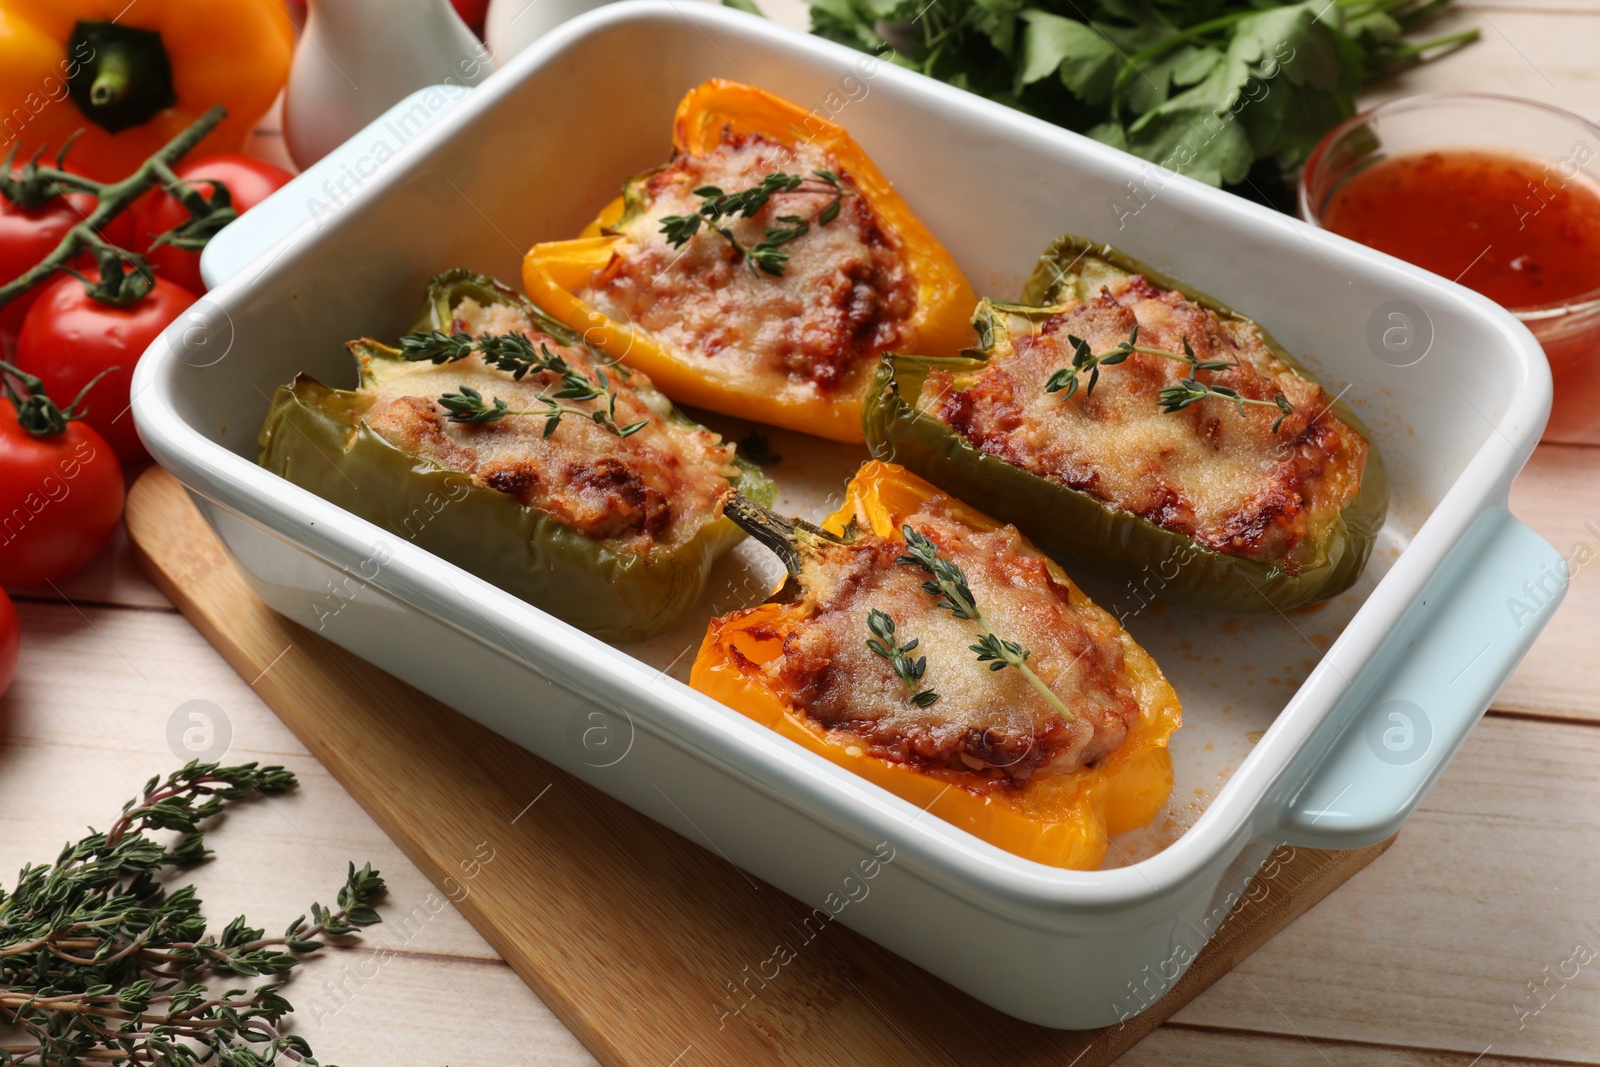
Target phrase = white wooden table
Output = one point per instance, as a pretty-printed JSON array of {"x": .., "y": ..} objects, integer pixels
[{"x": 1456, "y": 947}]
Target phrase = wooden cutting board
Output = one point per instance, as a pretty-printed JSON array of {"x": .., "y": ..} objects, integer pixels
[{"x": 645, "y": 945}]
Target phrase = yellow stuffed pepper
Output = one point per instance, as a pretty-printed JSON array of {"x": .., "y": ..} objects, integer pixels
[
  {"x": 933, "y": 651},
  {"x": 761, "y": 272}
]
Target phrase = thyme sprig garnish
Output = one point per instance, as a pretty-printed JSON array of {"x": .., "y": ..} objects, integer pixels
[
  {"x": 470, "y": 407},
  {"x": 1188, "y": 391},
  {"x": 884, "y": 644},
  {"x": 517, "y": 354},
  {"x": 102, "y": 960},
  {"x": 513, "y": 352},
  {"x": 1173, "y": 397},
  {"x": 948, "y": 583},
  {"x": 767, "y": 255}
]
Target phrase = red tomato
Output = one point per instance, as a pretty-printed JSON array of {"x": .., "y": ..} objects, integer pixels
[
  {"x": 68, "y": 337},
  {"x": 60, "y": 499},
  {"x": 10, "y": 640},
  {"x": 249, "y": 182},
  {"x": 26, "y": 237},
  {"x": 472, "y": 12}
]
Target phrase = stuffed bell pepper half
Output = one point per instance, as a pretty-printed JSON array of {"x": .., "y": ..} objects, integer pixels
[
  {"x": 935, "y": 652},
  {"x": 761, "y": 272},
  {"x": 494, "y": 437},
  {"x": 1136, "y": 427}
]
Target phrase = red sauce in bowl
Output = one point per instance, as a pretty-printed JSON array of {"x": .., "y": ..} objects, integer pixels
[
  {"x": 1517, "y": 231},
  {"x": 1521, "y": 232}
]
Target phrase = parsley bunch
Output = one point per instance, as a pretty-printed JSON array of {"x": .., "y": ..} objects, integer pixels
[{"x": 1203, "y": 87}]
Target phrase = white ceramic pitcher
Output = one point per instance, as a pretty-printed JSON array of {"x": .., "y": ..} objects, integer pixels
[{"x": 357, "y": 58}]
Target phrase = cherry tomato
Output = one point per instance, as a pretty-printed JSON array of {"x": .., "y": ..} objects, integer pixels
[
  {"x": 26, "y": 237},
  {"x": 10, "y": 640},
  {"x": 61, "y": 497},
  {"x": 249, "y": 182},
  {"x": 68, "y": 337},
  {"x": 472, "y": 12}
]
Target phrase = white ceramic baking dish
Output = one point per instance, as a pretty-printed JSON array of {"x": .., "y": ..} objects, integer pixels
[{"x": 1321, "y": 728}]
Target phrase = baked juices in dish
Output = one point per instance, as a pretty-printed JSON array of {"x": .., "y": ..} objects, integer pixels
[
  {"x": 932, "y": 650},
  {"x": 1132, "y": 425},
  {"x": 760, "y": 272}
]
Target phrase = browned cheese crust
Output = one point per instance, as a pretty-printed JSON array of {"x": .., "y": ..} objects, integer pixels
[
  {"x": 658, "y": 487},
  {"x": 1225, "y": 480},
  {"x": 844, "y": 296},
  {"x": 990, "y": 722}
]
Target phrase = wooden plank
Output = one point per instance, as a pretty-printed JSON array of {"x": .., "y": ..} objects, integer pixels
[
  {"x": 110, "y": 732},
  {"x": 1558, "y": 494},
  {"x": 600, "y": 909},
  {"x": 112, "y": 578},
  {"x": 1525, "y": 49},
  {"x": 1464, "y": 936},
  {"x": 1200, "y": 1047},
  {"x": 77, "y": 706}
]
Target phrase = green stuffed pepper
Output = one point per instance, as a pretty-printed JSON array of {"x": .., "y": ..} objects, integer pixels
[
  {"x": 1133, "y": 426},
  {"x": 497, "y": 439}
]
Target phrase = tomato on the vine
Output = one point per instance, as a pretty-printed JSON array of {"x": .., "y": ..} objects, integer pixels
[
  {"x": 249, "y": 182},
  {"x": 28, "y": 235},
  {"x": 61, "y": 489},
  {"x": 69, "y": 337}
]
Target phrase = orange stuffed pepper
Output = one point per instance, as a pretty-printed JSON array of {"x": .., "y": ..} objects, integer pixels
[
  {"x": 761, "y": 272},
  {"x": 935, "y": 652}
]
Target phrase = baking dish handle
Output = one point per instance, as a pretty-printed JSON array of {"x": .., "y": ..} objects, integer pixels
[{"x": 1466, "y": 634}]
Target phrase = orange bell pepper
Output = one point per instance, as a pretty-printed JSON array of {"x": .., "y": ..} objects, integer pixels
[
  {"x": 1061, "y": 820},
  {"x": 555, "y": 271},
  {"x": 133, "y": 76}
]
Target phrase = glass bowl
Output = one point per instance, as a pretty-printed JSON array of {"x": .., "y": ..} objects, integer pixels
[{"x": 1566, "y": 145}]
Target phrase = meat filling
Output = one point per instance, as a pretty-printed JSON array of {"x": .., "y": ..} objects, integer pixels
[
  {"x": 995, "y": 723},
  {"x": 656, "y": 487},
  {"x": 844, "y": 296},
  {"x": 1223, "y": 478}
]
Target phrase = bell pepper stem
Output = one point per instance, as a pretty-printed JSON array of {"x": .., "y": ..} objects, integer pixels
[
  {"x": 113, "y": 199},
  {"x": 111, "y": 79},
  {"x": 784, "y": 536}
]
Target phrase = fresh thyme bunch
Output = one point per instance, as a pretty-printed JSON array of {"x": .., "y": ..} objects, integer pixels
[{"x": 102, "y": 962}]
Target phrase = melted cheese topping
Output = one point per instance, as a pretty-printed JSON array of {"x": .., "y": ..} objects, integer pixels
[
  {"x": 1225, "y": 479},
  {"x": 993, "y": 722},
  {"x": 654, "y": 489},
  {"x": 844, "y": 296}
]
